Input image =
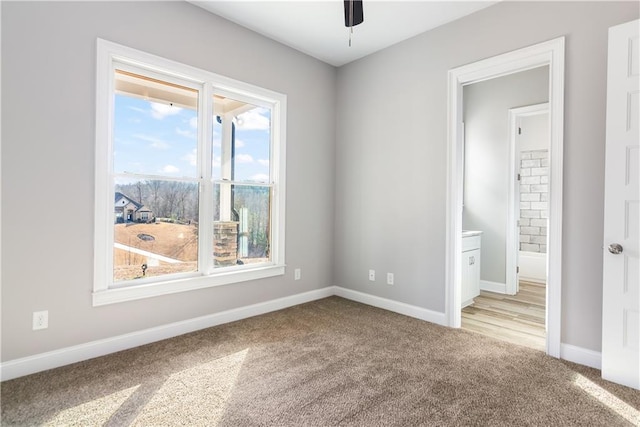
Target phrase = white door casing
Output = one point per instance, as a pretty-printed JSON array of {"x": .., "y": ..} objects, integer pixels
[
  {"x": 621, "y": 271},
  {"x": 550, "y": 53}
]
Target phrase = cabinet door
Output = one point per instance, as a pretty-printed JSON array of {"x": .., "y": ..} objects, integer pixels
[
  {"x": 474, "y": 268},
  {"x": 470, "y": 276}
]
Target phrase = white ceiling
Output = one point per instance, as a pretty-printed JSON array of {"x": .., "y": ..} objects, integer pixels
[{"x": 317, "y": 27}]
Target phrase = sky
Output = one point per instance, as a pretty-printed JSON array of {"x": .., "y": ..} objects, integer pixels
[{"x": 160, "y": 139}]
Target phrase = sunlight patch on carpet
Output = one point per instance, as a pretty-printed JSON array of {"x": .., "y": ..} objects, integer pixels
[
  {"x": 94, "y": 412},
  {"x": 609, "y": 400},
  {"x": 195, "y": 396}
]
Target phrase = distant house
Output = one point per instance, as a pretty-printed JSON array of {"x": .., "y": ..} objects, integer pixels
[{"x": 129, "y": 210}]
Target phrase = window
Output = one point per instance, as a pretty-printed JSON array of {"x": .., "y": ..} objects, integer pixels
[{"x": 189, "y": 178}]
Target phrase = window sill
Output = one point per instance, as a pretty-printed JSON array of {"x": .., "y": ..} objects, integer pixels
[{"x": 135, "y": 292}]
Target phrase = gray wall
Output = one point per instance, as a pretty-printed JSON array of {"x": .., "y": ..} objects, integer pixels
[
  {"x": 368, "y": 187},
  {"x": 48, "y": 137},
  {"x": 486, "y": 179},
  {"x": 391, "y": 153},
  {"x": 536, "y": 136}
]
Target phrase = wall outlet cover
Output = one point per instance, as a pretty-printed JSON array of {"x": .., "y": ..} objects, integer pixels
[
  {"x": 40, "y": 320},
  {"x": 389, "y": 278}
]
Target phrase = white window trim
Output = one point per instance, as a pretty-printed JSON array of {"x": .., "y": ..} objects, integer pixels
[{"x": 104, "y": 292}]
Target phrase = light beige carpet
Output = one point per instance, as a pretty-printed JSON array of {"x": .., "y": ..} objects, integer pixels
[{"x": 329, "y": 362}]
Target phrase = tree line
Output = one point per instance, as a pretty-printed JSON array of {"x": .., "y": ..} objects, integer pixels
[
  {"x": 178, "y": 201},
  {"x": 166, "y": 199}
]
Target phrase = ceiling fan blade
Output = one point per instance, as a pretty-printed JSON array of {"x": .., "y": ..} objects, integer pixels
[{"x": 353, "y": 13}]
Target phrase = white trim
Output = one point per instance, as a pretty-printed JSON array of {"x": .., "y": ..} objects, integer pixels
[
  {"x": 513, "y": 235},
  {"x": 533, "y": 267},
  {"x": 582, "y": 356},
  {"x": 112, "y": 56},
  {"x": 205, "y": 169},
  {"x": 391, "y": 305},
  {"x": 1, "y": 164},
  {"x": 102, "y": 267},
  {"x": 486, "y": 285},
  {"x": 549, "y": 53},
  {"x": 65, "y": 356},
  {"x": 278, "y": 163},
  {"x": 131, "y": 293}
]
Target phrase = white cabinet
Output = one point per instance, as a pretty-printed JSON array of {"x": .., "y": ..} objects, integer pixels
[{"x": 470, "y": 287}]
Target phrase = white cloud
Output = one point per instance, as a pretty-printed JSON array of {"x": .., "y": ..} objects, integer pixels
[
  {"x": 254, "y": 120},
  {"x": 186, "y": 133},
  {"x": 138, "y": 109},
  {"x": 244, "y": 158},
  {"x": 217, "y": 161},
  {"x": 156, "y": 143},
  {"x": 170, "y": 169},
  {"x": 159, "y": 145},
  {"x": 191, "y": 157},
  {"x": 264, "y": 162},
  {"x": 260, "y": 177},
  {"x": 239, "y": 143},
  {"x": 145, "y": 137},
  {"x": 194, "y": 122},
  {"x": 160, "y": 111}
]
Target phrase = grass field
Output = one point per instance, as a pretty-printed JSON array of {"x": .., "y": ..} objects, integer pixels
[{"x": 175, "y": 241}]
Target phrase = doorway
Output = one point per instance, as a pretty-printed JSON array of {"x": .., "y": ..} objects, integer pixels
[
  {"x": 505, "y": 203},
  {"x": 549, "y": 54}
]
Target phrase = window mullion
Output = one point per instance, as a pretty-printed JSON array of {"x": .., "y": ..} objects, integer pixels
[
  {"x": 205, "y": 167},
  {"x": 225, "y": 167}
]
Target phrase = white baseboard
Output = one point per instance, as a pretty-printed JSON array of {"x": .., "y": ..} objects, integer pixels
[
  {"x": 65, "y": 356},
  {"x": 532, "y": 279},
  {"x": 395, "y": 306},
  {"x": 487, "y": 285},
  {"x": 533, "y": 266},
  {"x": 580, "y": 355}
]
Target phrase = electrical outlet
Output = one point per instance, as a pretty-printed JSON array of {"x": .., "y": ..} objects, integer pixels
[
  {"x": 389, "y": 278},
  {"x": 297, "y": 274},
  {"x": 40, "y": 320},
  {"x": 372, "y": 275}
]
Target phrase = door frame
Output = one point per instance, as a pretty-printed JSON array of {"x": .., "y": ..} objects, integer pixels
[
  {"x": 513, "y": 199},
  {"x": 549, "y": 53}
]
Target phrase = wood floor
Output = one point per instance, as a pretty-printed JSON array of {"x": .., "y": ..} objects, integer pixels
[{"x": 515, "y": 318}]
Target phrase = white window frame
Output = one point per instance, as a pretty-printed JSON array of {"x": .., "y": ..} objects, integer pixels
[{"x": 104, "y": 290}]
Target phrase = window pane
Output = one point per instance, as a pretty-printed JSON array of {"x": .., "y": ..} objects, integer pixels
[
  {"x": 241, "y": 141},
  {"x": 155, "y": 228},
  {"x": 241, "y": 231},
  {"x": 155, "y": 127}
]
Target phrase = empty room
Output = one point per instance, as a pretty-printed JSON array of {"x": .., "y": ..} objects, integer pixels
[{"x": 315, "y": 213}]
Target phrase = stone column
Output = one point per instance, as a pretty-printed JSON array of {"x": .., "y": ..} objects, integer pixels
[{"x": 225, "y": 243}]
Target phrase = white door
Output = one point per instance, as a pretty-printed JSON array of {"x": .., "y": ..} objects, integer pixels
[{"x": 621, "y": 276}]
